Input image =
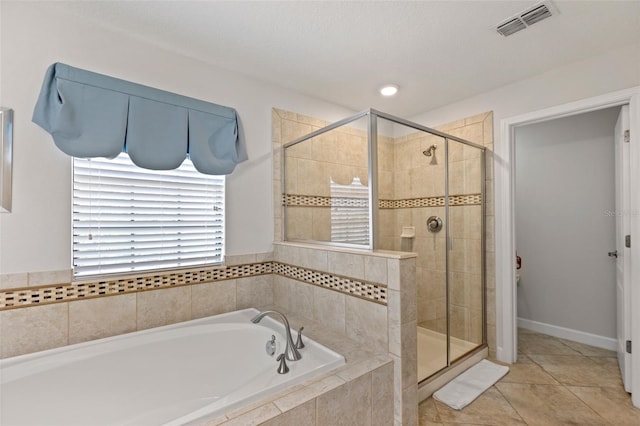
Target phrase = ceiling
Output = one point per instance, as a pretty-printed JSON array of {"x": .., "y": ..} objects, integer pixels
[{"x": 438, "y": 52}]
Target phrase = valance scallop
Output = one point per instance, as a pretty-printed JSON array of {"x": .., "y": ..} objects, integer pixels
[{"x": 94, "y": 115}]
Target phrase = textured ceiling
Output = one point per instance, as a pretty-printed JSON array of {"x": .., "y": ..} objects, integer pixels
[{"x": 436, "y": 51}]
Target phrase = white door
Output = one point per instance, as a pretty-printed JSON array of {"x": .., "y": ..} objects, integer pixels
[{"x": 623, "y": 285}]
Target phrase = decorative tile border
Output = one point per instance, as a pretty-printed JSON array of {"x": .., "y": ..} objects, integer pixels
[
  {"x": 33, "y": 296},
  {"x": 454, "y": 200},
  {"x": 322, "y": 201},
  {"x": 362, "y": 289},
  {"x": 10, "y": 299}
]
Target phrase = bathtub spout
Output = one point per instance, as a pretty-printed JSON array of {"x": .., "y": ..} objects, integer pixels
[{"x": 291, "y": 353}]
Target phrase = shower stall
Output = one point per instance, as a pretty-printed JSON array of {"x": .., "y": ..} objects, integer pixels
[{"x": 377, "y": 182}]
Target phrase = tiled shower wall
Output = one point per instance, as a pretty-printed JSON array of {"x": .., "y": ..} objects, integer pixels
[{"x": 405, "y": 174}]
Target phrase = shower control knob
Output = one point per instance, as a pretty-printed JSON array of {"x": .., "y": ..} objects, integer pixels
[{"x": 434, "y": 224}]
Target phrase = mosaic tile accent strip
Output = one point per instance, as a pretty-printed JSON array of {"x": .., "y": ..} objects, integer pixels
[
  {"x": 413, "y": 203},
  {"x": 25, "y": 297},
  {"x": 465, "y": 200},
  {"x": 320, "y": 201},
  {"x": 362, "y": 289},
  {"x": 10, "y": 299}
]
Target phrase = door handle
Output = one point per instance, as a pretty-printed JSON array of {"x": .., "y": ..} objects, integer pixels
[{"x": 613, "y": 254}]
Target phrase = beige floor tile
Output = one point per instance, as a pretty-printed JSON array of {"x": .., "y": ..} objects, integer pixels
[
  {"x": 534, "y": 391},
  {"x": 588, "y": 350},
  {"x": 578, "y": 370},
  {"x": 522, "y": 359},
  {"x": 612, "y": 404},
  {"x": 606, "y": 361},
  {"x": 427, "y": 413},
  {"x": 490, "y": 408},
  {"x": 540, "y": 344},
  {"x": 546, "y": 405},
  {"x": 528, "y": 372},
  {"x": 460, "y": 424}
]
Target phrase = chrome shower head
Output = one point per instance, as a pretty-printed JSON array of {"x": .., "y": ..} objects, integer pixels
[{"x": 429, "y": 152}]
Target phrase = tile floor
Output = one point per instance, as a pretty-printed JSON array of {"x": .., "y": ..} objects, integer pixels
[{"x": 554, "y": 382}]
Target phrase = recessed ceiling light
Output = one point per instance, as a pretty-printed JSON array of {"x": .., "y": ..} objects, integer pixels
[{"x": 389, "y": 90}]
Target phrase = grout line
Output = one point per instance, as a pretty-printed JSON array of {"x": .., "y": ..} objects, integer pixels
[
  {"x": 585, "y": 402},
  {"x": 509, "y": 402}
]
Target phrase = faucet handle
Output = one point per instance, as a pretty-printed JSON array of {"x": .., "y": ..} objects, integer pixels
[
  {"x": 282, "y": 368},
  {"x": 299, "y": 344}
]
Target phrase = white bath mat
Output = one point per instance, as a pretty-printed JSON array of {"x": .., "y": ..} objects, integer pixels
[{"x": 462, "y": 390}]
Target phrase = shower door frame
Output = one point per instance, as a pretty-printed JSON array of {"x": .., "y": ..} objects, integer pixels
[{"x": 372, "y": 164}]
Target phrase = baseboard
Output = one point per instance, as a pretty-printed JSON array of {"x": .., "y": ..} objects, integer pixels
[{"x": 569, "y": 334}]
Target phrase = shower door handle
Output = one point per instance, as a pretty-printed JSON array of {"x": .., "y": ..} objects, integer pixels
[{"x": 613, "y": 254}]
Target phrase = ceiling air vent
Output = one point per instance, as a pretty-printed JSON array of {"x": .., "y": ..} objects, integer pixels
[
  {"x": 525, "y": 18},
  {"x": 535, "y": 15},
  {"x": 513, "y": 26}
]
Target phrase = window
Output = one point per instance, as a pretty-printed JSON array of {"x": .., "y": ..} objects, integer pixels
[
  {"x": 350, "y": 213},
  {"x": 128, "y": 219}
]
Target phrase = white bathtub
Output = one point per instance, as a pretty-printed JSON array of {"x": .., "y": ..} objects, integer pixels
[{"x": 168, "y": 375}]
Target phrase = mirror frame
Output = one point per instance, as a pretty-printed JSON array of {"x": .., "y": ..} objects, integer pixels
[{"x": 6, "y": 141}]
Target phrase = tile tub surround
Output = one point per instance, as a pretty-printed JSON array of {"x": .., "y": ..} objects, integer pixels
[
  {"x": 91, "y": 310},
  {"x": 390, "y": 327},
  {"x": 62, "y": 313},
  {"x": 365, "y": 382},
  {"x": 359, "y": 393}
]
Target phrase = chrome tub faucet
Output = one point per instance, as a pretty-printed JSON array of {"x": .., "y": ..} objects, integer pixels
[{"x": 291, "y": 353}]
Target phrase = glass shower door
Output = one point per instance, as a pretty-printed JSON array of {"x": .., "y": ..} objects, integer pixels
[
  {"x": 411, "y": 188},
  {"x": 465, "y": 249}
]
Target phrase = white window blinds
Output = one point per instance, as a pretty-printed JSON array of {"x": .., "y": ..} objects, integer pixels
[
  {"x": 350, "y": 213},
  {"x": 128, "y": 219}
]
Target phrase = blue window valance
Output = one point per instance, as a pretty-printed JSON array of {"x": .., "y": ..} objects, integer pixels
[{"x": 94, "y": 115}]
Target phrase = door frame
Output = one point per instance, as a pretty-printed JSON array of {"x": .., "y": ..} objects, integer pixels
[{"x": 504, "y": 170}]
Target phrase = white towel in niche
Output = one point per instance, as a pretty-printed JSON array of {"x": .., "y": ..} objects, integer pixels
[{"x": 465, "y": 388}]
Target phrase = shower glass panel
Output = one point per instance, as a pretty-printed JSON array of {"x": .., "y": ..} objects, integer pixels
[{"x": 326, "y": 190}]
